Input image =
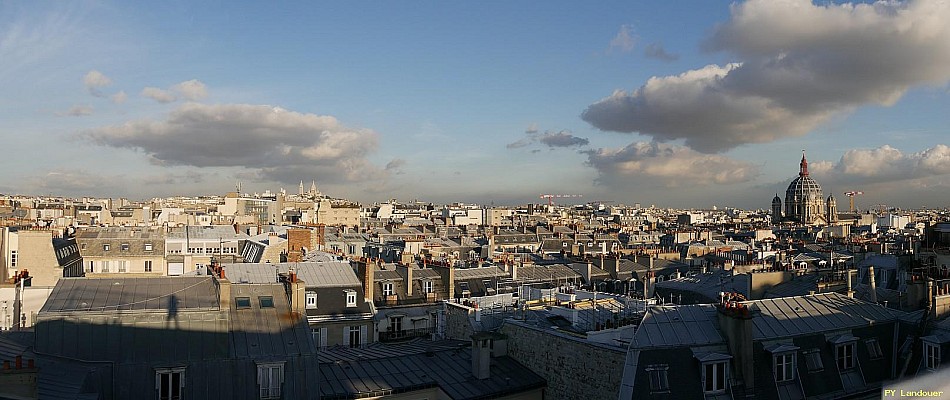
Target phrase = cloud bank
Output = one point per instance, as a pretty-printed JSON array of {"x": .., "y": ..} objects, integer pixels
[
  {"x": 281, "y": 145},
  {"x": 664, "y": 165},
  {"x": 802, "y": 64}
]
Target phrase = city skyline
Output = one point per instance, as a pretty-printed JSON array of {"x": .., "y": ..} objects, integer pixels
[{"x": 692, "y": 104}]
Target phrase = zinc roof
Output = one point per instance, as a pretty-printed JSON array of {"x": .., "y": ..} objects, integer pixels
[
  {"x": 674, "y": 326},
  {"x": 801, "y": 315},
  {"x": 126, "y": 294}
]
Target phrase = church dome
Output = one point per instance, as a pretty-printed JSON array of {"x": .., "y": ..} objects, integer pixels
[{"x": 804, "y": 200}]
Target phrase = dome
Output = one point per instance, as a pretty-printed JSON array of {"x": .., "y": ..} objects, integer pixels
[
  {"x": 803, "y": 188},
  {"x": 804, "y": 200}
]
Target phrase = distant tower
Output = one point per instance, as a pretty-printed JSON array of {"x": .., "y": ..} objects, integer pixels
[
  {"x": 313, "y": 188},
  {"x": 300, "y": 189},
  {"x": 776, "y": 208},
  {"x": 832, "y": 207}
]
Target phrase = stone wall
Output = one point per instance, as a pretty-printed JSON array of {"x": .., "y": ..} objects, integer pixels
[{"x": 573, "y": 367}]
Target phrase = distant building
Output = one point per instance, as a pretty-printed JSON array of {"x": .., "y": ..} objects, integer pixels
[{"x": 804, "y": 201}]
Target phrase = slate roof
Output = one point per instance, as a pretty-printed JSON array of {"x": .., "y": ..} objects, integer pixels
[
  {"x": 676, "y": 326},
  {"x": 126, "y": 294},
  {"x": 805, "y": 315},
  {"x": 258, "y": 332}
]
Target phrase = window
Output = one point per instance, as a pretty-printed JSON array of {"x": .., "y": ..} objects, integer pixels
[
  {"x": 124, "y": 247},
  {"x": 82, "y": 246},
  {"x": 351, "y": 298},
  {"x": 92, "y": 265},
  {"x": 874, "y": 349},
  {"x": 784, "y": 367},
  {"x": 714, "y": 377},
  {"x": 354, "y": 336},
  {"x": 932, "y": 355},
  {"x": 844, "y": 356},
  {"x": 148, "y": 247},
  {"x": 121, "y": 265},
  {"x": 266, "y": 301},
  {"x": 311, "y": 300},
  {"x": 658, "y": 380},
  {"x": 169, "y": 383},
  {"x": 148, "y": 266},
  {"x": 13, "y": 258},
  {"x": 387, "y": 289},
  {"x": 426, "y": 286},
  {"x": 242, "y": 302},
  {"x": 270, "y": 377},
  {"x": 105, "y": 247},
  {"x": 105, "y": 266},
  {"x": 813, "y": 360},
  {"x": 395, "y": 324}
]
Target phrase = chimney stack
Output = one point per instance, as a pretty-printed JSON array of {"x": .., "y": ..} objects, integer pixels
[
  {"x": 873, "y": 284},
  {"x": 367, "y": 270},
  {"x": 514, "y": 271},
  {"x": 481, "y": 355},
  {"x": 850, "y": 292},
  {"x": 736, "y": 324}
]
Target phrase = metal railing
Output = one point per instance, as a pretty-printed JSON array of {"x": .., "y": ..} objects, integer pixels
[{"x": 404, "y": 334}]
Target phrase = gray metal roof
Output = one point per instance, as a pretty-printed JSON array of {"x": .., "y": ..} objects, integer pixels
[
  {"x": 802, "y": 315},
  {"x": 448, "y": 369},
  {"x": 266, "y": 331},
  {"x": 206, "y": 232},
  {"x": 480, "y": 272},
  {"x": 125, "y": 294},
  {"x": 674, "y": 326},
  {"x": 314, "y": 274}
]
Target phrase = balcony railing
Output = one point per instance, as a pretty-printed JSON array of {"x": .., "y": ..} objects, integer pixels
[{"x": 389, "y": 336}]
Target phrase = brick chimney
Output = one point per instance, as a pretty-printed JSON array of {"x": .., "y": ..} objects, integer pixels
[
  {"x": 224, "y": 292},
  {"x": 735, "y": 321},
  {"x": 406, "y": 273},
  {"x": 367, "y": 270}
]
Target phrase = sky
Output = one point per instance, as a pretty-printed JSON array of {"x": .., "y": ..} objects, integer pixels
[{"x": 687, "y": 104}]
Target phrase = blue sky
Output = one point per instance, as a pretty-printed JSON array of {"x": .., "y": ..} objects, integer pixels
[{"x": 682, "y": 104}]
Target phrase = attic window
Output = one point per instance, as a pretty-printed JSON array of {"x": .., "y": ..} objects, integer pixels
[
  {"x": 148, "y": 247},
  {"x": 874, "y": 349},
  {"x": 242, "y": 302},
  {"x": 350, "y": 298},
  {"x": 124, "y": 247},
  {"x": 658, "y": 378},
  {"x": 266, "y": 301},
  {"x": 105, "y": 247},
  {"x": 813, "y": 360}
]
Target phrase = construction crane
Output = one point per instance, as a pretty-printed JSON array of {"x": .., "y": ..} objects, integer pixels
[
  {"x": 851, "y": 195},
  {"x": 551, "y": 197}
]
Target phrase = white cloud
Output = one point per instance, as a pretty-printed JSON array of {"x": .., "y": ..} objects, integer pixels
[
  {"x": 119, "y": 97},
  {"x": 94, "y": 81},
  {"x": 282, "y": 145},
  {"x": 159, "y": 95},
  {"x": 624, "y": 41},
  {"x": 802, "y": 64},
  {"x": 885, "y": 164},
  {"x": 659, "y": 164},
  {"x": 532, "y": 129},
  {"x": 191, "y": 90}
]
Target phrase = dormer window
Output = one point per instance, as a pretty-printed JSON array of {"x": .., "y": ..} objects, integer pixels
[
  {"x": 350, "y": 298},
  {"x": 784, "y": 367},
  {"x": 932, "y": 355},
  {"x": 714, "y": 377},
  {"x": 388, "y": 289},
  {"x": 844, "y": 356},
  {"x": 311, "y": 300},
  {"x": 426, "y": 286},
  {"x": 658, "y": 378},
  {"x": 105, "y": 247},
  {"x": 124, "y": 247},
  {"x": 148, "y": 247}
]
